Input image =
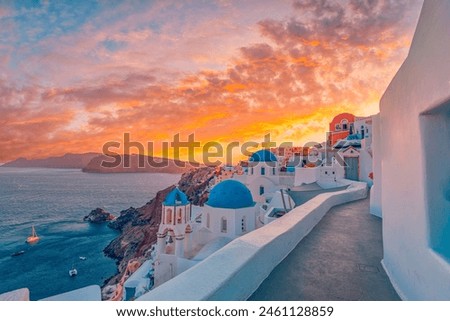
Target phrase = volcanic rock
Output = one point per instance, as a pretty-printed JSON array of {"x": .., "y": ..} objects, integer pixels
[{"x": 99, "y": 215}]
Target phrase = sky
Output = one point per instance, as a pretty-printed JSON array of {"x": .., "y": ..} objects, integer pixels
[{"x": 75, "y": 75}]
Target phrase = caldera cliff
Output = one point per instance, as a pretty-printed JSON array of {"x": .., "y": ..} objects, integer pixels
[{"x": 138, "y": 226}]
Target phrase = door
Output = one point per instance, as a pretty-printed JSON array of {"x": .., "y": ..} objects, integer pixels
[{"x": 352, "y": 168}]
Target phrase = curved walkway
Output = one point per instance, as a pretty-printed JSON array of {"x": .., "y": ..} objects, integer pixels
[{"x": 338, "y": 260}]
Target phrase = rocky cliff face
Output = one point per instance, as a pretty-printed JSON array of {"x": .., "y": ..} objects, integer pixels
[
  {"x": 140, "y": 225},
  {"x": 195, "y": 184}
]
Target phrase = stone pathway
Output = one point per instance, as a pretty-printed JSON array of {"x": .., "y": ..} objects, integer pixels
[{"x": 338, "y": 260}]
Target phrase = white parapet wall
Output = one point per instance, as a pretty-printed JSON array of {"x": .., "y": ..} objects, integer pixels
[
  {"x": 236, "y": 271},
  {"x": 88, "y": 293},
  {"x": 16, "y": 295}
]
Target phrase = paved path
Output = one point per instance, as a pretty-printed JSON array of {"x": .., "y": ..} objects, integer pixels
[{"x": 338, "y": 260}]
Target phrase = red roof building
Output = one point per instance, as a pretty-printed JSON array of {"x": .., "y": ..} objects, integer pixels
[{"x": 340, "y": 127}]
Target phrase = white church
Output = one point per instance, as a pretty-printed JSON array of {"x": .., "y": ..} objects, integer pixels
[
  {"x": 263, "y": 176},
  {"x": 183, "y": 240}
]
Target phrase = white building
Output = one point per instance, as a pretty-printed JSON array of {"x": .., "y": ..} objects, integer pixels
[
  {"x": 182, "y": 242},
  {"x": 363, "y": 128},
  {"x": 263, "y": 175},
  {"x": 229, "y": 212},
  {"x": 355, "y": 151},
  {"x": 323, "y": 174},
  {"x": 412, "y": 163},
  {"x": 174, "y": 234},
  {"x": 174, "y": 237},
  {"x": 280, "y": 204}
]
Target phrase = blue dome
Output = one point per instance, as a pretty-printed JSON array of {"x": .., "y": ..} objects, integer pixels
[
  {"x": 230, "y": 194},
  {"x": 176, "y": 197},
  {"x": 263, "y": 155}
]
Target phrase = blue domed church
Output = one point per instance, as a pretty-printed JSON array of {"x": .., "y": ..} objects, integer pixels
[
  {"x": 230, "y": 210},
  {"x": 263, "y": 175},
  {"x": 174, "y": 237},
  {"x": 175, "y": 224},
  {"x": 183, "y": 239}
]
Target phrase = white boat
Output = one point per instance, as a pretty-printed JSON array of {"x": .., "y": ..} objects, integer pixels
[
  {"x": 33, "y": 238},
  {"x": 73, "y": 272},
  {"x": 82, "y": 258}
]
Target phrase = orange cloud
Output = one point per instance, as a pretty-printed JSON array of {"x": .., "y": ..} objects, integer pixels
[
  {"x": 234, "y": 87},
  {"x": 289, "y": 79}
]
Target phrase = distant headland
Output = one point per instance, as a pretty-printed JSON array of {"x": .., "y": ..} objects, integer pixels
[
  {"x": 100, "y": 163},
  {"x": 68, "y": 160}
]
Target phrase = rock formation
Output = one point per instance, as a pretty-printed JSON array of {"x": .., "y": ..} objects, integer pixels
[
  {"x": 139, "y": 227},
  {"x": 125, "y": 217},
  {"x": 195, "y": 184},
  {"x": 99, "y": 215}
]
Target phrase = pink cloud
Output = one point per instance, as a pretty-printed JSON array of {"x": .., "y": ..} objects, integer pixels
[{"x": 289, "y": 78}]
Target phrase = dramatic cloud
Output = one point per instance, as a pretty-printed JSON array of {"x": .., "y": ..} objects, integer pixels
[{"x": 75, "y": 75}]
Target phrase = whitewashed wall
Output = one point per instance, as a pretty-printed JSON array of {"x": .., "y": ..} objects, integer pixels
[
  {"x": 306, "y": 175},
  {"x": 375, "y": 191},
  {"x": 415, "y": 155},
  {"x": 365, "y": 166}
]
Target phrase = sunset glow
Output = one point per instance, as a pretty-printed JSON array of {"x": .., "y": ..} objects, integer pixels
[{"x": 77, "y": 74}]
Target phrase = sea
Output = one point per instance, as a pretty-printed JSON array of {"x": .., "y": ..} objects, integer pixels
[{"x": 55, "y": 202}]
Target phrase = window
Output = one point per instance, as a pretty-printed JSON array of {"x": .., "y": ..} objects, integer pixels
[
  {"x": 263, "y": 171},
  {"x": 435, "y": 129},
  {"x": 243, "y": 225},
  {"x": 326, "y": 172},
  {"x": 252, "y": 171},
  {"x": 273, "y": 170},
  {"x": 180, "y": 216},
  {"x": 344, "y": 124},
  {"x": 223, "y": 225},
  {"x": 208, "y": 220},
  {"x": 261, "y": 190},
  {"x": 337, "y": 126},
  {"x": 169, "y": 216}
]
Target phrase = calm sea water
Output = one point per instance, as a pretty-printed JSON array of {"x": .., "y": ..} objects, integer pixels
[{"x": 55, "y": 202}]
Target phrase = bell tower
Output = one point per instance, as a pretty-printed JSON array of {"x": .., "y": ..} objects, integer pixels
[{"x": 175, "y": 224}]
